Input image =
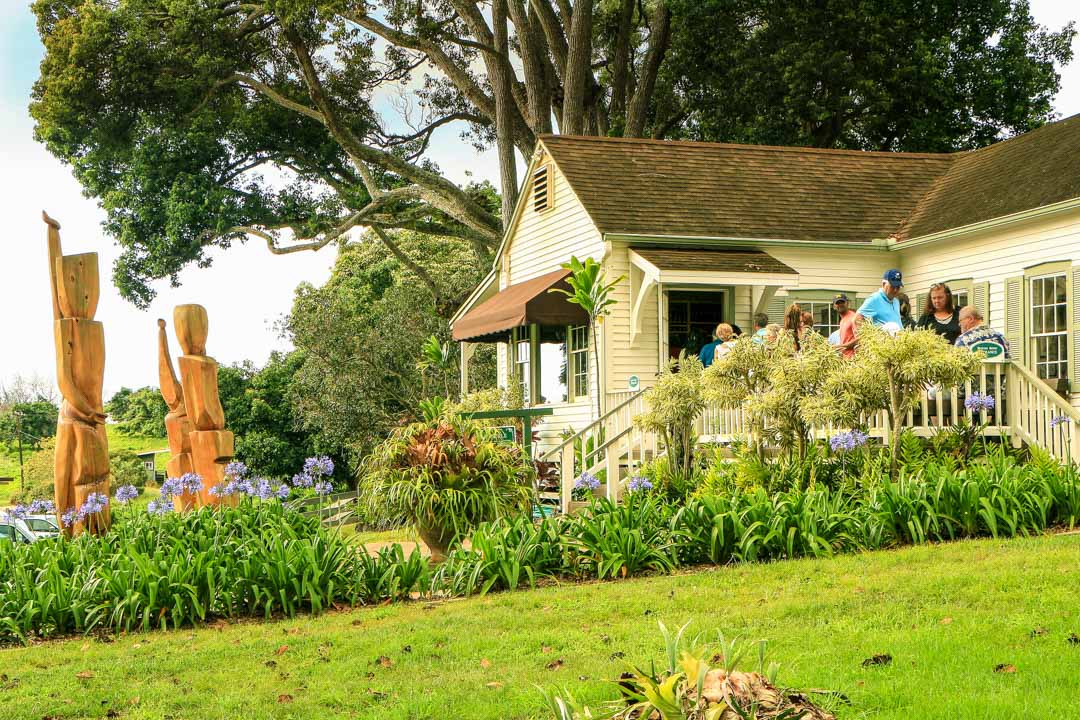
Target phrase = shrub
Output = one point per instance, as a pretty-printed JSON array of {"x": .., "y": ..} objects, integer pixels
[
  {"x": 127, "y": 469},
  {"x": 445, "y": 476},
  {"x": 674, "y": 403},
  {"x": 39, "y": 473}
]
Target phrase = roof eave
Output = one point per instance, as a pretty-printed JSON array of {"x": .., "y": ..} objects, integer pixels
[
  {"x": 873, "y": 244},
  {"x": 1044, "y": 211}
]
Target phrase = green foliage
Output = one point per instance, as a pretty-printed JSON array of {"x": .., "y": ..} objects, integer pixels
[
  {"x": 613, "y": 541},
  {"x": 674, "y": 403},
  {"x": 509, "y": 397},
  {"x": 127, "y": 469},
  {"x": 39, "y": 473},
  {"x": 865, "y": 74},
  {"x": 360, "y": 335},
  {"x": 445, "y": 477},
  {"x": 889, "y": 373},
  {"x": 138, "y": 412},
  {"x": 35, "y": 421}
]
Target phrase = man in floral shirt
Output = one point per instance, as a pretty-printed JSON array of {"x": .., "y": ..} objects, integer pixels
[{"x": 974, "y": 331}]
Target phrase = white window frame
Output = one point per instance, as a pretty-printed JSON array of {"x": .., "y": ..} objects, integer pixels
[
  {"x": 1058, "y": 336},
  {"x": 813, "y": 306},
  {"x": 577, "y": 389}
]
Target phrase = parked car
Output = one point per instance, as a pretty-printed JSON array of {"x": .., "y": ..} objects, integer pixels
[
  {"x": 16, "y": 531},
  {"x": 42, "y": 526}
]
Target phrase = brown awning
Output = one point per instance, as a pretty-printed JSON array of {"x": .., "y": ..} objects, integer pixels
[{"x": 519, "y": 305}]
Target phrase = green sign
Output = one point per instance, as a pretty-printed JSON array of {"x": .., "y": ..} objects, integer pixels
[
  {"x": 633, "y": 383},
  {"x": 988, "y": 348},
  {"x": 507, "y": 434}
]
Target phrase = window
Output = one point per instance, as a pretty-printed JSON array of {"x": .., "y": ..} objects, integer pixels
[
  {"x": 579, "y": 362},
  {"x": 826, "y": 319},
  {"x": 1050, "y": 326},
  {"x": 961, "y": 298},
  {"x": 541, "y": 187},
  {"x": 523, "y": 368}
]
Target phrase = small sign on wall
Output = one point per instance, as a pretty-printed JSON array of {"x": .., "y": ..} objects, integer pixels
[
  {"x": 632, "y": 383},
  {"x": 507, "y": 434}
]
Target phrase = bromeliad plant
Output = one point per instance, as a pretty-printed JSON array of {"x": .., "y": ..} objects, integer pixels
[{"x": 445, "y": 476}]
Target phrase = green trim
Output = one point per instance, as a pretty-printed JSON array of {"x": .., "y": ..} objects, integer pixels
[
  {"x": 820, "y": 294},
  {"x": 1052, "y": 267}
]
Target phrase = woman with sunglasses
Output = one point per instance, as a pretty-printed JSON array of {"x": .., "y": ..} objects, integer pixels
[{"x": 941, "y": 314}]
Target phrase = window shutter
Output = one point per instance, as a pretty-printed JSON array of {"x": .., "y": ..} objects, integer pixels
[
  {"x": 1014, "y": 317},
  {"x": 1074, "y": 329},
  {"x": 980, "y": 298},
  {"x": 920, "y": 303},
  {"x": 542, "y": 188},
  {"x": 777, "y": 306}
]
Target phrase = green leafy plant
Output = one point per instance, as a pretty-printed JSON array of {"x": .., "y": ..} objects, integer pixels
[
  {"x": 590, "y": 290},
  {"x": 445, "y": 476},
  {"x": 674, "y": 403}
]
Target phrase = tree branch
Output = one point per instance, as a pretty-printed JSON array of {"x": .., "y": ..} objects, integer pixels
[
  {"x": 659, "y": 35},
  {"x": 409, "y": 263}
]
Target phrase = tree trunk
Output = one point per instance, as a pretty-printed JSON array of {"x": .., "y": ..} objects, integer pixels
[
  {"x": 596, "y": 362},
  {"x": 504, "y": 117},
  {"x": 578, "y": 69},
  {"x": 659, "y": 34},
  {"x": 621, "y": 62},
  {"x": 894, "y": 430}
]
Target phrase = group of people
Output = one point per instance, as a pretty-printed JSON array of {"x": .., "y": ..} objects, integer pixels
[{"x": 888, "y": 307}]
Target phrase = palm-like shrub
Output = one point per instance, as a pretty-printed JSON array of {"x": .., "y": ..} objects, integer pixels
[
  {"x": 674, "y": 403},
  {"x": 445, "y": 476},
  {"x": 889, "y": 373}
]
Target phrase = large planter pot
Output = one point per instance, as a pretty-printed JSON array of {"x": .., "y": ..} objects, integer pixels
[{"x": 437, "y": 540}]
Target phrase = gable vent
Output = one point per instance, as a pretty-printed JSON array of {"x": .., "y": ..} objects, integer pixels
[{"x": 541, "y": 188}]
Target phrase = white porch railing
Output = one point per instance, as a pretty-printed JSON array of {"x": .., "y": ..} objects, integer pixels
[{"x": 1025, "y": 410}]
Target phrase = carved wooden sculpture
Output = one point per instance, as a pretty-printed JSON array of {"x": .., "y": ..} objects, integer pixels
[
  {"x": 82, "y": 448},
  {"x": 177, "y": 425},
  {"x": 211, "y": 443}
]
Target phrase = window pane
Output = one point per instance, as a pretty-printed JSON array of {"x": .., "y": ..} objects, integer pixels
[
  {"x": 1036, "y": 320},
  {"x": 1060, "y": 295},
  {"x": 1041, "y": 350},
  {"x": 553, "y": 369},
  {"x": 1061, "y": 318}
]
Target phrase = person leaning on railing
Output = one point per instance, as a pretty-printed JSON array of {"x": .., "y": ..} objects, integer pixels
[{"x": 974, "y": 330}]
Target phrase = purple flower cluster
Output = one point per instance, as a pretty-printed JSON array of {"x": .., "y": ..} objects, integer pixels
[
  {"x": 126, "y": 493},
  {"x": 95, "y": 503},
  {"x": 637, "y": 483},
  {"x": 160, "y": 507},
  {"x": 36, "y": 507},
  {"x": 315, "y": 469},
  {"x": 186, "y": 483},
  {"x": 1059, "y": 420},
  {"x": 236, "y": 470},
  {"x": 587, "y": 481},
  {"x": 977, "y": 401},
  {"x": 324, "y": 487},
  {"x": 848, "y": 441}
]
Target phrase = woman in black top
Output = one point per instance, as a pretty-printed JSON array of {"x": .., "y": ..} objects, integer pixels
[{"x": 941, "y": 314}]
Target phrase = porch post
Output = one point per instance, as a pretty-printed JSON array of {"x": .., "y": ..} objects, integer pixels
[{"x": 467, "y": 349}]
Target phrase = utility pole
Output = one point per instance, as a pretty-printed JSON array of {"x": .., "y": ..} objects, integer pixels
[{"x": 18, "y": 434}]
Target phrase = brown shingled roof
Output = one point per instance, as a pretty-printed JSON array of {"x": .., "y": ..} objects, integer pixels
[
  {"x": 1038, "y": 168},
  {"x": 740, "y": 261},
  {"x": 690, "y": 189}
]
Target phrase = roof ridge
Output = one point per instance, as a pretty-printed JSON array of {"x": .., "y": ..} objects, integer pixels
[{"x": 889, "y": 154}]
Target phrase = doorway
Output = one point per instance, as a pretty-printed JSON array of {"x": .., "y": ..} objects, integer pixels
[{"x": 692, "y": 316}]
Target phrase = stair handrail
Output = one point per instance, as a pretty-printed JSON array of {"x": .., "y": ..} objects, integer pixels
[
  {"x": 1050, "y": 393},
  {"x": 591, "y": 426}
]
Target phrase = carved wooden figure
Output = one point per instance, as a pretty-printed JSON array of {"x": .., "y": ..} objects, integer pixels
[
  {"x": 211, "y": 443},
  {"x": 177, "y": 425},
  {"x": 82, "y": 448}
]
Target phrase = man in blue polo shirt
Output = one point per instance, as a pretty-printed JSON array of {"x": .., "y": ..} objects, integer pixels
[{"x": 882, "y": 307}]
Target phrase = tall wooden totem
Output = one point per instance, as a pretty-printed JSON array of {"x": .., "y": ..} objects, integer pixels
[
  {"x": 177, "y": 424},
  {"x": 82, "y": 448},
  {"x": 211, "y": 443}
]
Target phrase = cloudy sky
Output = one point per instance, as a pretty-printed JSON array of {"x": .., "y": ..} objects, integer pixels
[{"x": 246, "y": 290}]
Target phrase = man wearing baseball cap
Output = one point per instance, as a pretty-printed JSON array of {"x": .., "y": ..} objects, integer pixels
[
  {"x": 881, "y": 308},
  {"x": 845, "y": 334}
]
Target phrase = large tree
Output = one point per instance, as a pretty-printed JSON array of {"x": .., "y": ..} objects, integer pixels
[{"x": 201, "y": 123}]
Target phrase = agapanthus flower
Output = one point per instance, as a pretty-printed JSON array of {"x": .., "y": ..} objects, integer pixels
[
  {"x": 222, "y": 490},
  {"x": 324, "y": 487},
  {"x": 42, "y": 507},
  {"x": 639, "y": 482},
  {"x": 262, "y": 489},
  {"x": 126, "y": 493},
  {"x": 95, "y": 503},
  {"x": 318, "y": 466},
  {"x": 977, "y": 401},
  {"x": 192, "y": 483},
  {"x": 242, "y": 486},
  {"x": 1059, "y": 420},
  {"x": 19, "y": 512},
  {"x": 160, "y": 507},
  {"x": 283, "y": 491},
  {"x": 69, "y": 518},
  {"x": 587, "y": 481},
  {"x": 302, "y": 480},
  {"x": 848, "y": 441},
  {"x": 171, "y": 487},
  {"x": 236, "y": 470}
]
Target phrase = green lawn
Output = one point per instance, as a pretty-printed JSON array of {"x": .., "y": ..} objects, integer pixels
[{"x": 947, "y": 614}]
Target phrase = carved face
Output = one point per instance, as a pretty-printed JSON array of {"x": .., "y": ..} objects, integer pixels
[
  {"x": 77, "y": 285},
  {"x": 192, "y": 327}
]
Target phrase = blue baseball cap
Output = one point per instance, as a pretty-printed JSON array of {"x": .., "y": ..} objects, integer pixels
[{"x": 895, "y": 278}]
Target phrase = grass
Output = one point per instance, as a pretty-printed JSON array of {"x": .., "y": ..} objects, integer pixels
[{"x": 948, "y": 614}]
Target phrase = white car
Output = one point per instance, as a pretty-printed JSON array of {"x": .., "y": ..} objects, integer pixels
[
  {"x": 16, "y": 531},
  {"x": 28, "y": 529},
  {"x": 42, "y": 526}
]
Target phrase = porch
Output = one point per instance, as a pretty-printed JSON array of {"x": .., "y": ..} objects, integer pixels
[{"x": 1024, "y": 414}]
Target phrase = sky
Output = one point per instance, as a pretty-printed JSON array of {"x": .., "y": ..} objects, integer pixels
[{"x": 246, "y": 290}]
